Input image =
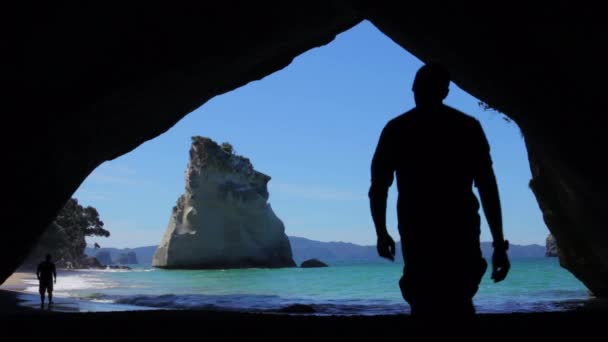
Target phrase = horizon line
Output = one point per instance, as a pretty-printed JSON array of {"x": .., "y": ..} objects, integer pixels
[{"x": 333, "y": 241}]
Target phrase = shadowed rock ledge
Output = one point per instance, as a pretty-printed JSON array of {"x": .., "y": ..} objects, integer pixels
[
  {"x": 223, "y": 220},
  {"x": 551, "y": 246}
]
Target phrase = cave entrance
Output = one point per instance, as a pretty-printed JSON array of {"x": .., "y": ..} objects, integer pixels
[{"x": 312, "y": 127}]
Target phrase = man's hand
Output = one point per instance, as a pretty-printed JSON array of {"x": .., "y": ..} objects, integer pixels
[
  {"x": 500, "y": 264},
  {"x": 386, "y": 247},
  {"x": 55, "y": 280}
]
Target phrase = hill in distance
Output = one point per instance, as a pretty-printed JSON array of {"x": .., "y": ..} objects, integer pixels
[{"x": 334, "y": 252}]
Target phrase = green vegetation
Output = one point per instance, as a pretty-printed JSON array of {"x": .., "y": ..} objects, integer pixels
[
  {"x": 486, "y": 107},
  {"x": 227, "y": 147},
  {"x": 64, "y": 239}
]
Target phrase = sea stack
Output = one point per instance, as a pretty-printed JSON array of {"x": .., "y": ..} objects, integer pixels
[{"x": 223, "y": 220}]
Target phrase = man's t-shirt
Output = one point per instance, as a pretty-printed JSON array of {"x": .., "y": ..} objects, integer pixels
[
  {"x": 436, "y": 154},
  {"x": 46, "y": 271}
]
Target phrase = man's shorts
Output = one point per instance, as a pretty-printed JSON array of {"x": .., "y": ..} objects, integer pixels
[{"x": 45, "y": 286}]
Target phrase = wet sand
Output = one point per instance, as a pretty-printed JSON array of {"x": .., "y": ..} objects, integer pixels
[
  {"x": 14, "y": 298},
  {"x": 170, "y": 325}
]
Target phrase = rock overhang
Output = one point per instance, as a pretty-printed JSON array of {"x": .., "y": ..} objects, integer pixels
[{"x": 133, "y": 71}]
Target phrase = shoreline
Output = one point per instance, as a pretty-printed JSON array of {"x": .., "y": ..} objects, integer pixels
[
  {"x": 14, "y": 297},
  {"x": 74, "y": 319},
  {"x": 23, "y": 288},
  {"x": 25, "y": 285},
  {"x": 16, "y": 282}
]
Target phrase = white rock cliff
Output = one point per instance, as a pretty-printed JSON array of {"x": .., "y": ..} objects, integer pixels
[{"x": 223, "y": 220}]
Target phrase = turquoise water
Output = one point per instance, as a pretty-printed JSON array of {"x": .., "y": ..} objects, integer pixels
[{"x": 364, "y": 289}]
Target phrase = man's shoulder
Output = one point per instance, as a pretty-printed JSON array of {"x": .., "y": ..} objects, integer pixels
[
  {"x": 465, "y": 118},
  {"x": 401, "y": 118},
  {"x": 409, "y": 118}
]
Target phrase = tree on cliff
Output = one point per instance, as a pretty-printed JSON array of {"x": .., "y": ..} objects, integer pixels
[
  {"x": 81, "y": 220},
  {"x": 227, "y": 147},
  {"x": 65, "y": 237}
]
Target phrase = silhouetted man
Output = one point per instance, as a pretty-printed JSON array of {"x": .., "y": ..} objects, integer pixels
[
  {"x": 47, "y": 275},
  {"x": 437, "y": 153}
]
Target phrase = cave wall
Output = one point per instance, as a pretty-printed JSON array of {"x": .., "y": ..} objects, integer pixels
[{"x": 90, "y": 82}]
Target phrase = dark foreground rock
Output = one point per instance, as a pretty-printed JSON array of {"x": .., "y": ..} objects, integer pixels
[
  {"x": 298, "y": 309},
  {"x": 235, "y": 326}
]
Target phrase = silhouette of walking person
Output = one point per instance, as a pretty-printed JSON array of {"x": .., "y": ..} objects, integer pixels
[
  {"x": 47, "y": 275},
  {"x": 437, "y": 154}
]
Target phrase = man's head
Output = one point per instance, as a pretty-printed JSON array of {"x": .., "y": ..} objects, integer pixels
[
  {"x": 431, "y": 84},
  {"x": 48, "y": 258}
]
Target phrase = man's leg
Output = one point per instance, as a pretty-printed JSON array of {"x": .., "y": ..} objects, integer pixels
[
  {"x": 463, "y": 307},
  {"x": 41, "y": 290},
  {"x": 50, "y": 289},
  {"x": 428, "y": 300}
]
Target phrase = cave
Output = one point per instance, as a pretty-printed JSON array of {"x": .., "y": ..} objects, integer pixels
[{"x": 90, "y": 82}]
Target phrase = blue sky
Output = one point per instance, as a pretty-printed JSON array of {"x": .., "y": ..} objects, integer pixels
[{"x": 313, "y": 128}]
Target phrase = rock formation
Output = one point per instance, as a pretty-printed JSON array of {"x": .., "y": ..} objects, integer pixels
[
  {"x": 65, "y": 238},
  {"x": 104, "y": 257},
  {"x": 91, "y": 262},
  {"x": 118, "y": 267},
  {"x": 223, "y": 220},
  {"x": 112, "y": 76},
  {"x": 310, "y": 263},
  {"x": 127, "y": 258},
  {"x": 551, "y": 244}
]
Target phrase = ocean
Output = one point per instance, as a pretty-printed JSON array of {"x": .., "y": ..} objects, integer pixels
[{"x": 538, "y": 284}]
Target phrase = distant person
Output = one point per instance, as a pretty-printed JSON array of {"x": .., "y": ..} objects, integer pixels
[
  {"x": 437, "y": 153},
  {"x": 47, "y": 275}
]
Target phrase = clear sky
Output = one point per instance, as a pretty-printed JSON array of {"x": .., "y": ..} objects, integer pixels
[{"x": 313, "y": 128}]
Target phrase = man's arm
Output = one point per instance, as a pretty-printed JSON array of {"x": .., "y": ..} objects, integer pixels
[
  {"x": 485, "y": 181},
  {"x": 55, "y": 273},
  {"x": 382, "y": 178},
  {"x": 490, "y": 201},
  {"x": 38, "y": 272}
]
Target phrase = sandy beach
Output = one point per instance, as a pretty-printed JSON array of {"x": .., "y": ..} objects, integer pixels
[
  {"x": 15, "y": 298},
  {"x": 11, "y": 290},
  {"x": 16, "y": 282}
]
